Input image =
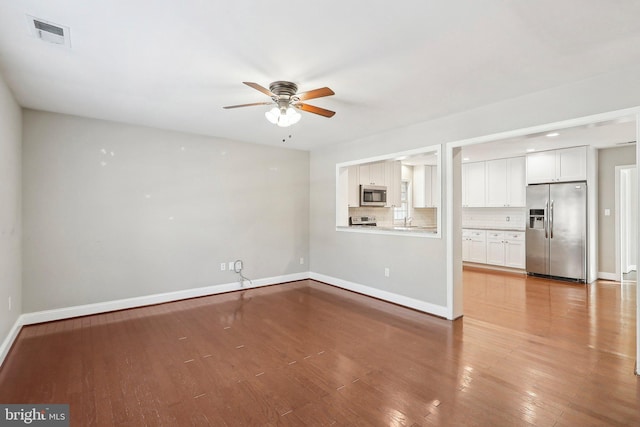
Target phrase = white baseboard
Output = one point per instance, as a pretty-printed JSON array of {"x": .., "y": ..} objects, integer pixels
[
  {"x": 494, "y": 267},
  {"x": 608, "y": 276},
  {"x": 413, "y": 303},
  {"x": 122, "y": 304},
  {"x": 10, "y": 338}
]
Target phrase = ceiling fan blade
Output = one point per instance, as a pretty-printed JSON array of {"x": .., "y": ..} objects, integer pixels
[
  {"x": 316, "y": 93},
  {"x": 257, "y": 87},
  {"x": 315, "y": 110},
  {"x": 248, "y": 105}
]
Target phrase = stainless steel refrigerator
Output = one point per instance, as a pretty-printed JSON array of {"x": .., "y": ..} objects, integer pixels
[{"x": 556, "y": 233}]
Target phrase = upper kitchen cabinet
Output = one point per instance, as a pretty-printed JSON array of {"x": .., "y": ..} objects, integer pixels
[
  {"x": 506, "y": 182},
  {"x": 393, "y": 180},
  {"x": 473, "y": 184},
  {"x": 372, "y": 174},
  {"x": 353, "y": 186},
  {"x": 426, "y": 186},
  {"x": 568, "y": 164}
]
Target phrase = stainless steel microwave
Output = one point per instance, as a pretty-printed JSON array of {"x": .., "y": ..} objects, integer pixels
[{"x": 373, "y": 195}]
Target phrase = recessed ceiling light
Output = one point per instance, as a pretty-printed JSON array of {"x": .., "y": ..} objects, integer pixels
[
  {"x": 465, "y": 159},
  {"x": 530, "y": 150},
  {"x": 552, "y": 134}
]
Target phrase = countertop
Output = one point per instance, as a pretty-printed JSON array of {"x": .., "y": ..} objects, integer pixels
[
  {"x": 409, "y": 229},
  {"x": 494, "y": 228}
]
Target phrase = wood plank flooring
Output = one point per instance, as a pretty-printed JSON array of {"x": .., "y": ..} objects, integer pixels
[{"x": 528, "y": 352}]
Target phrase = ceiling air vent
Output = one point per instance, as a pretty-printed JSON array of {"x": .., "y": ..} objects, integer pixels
[{"x": 49, "y": 32}]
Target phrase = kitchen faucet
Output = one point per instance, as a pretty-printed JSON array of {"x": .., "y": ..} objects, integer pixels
[{"x": 409, "y": 219}]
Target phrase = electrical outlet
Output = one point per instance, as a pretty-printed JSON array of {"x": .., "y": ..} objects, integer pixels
[
  {"x": 223, "y": 266},
  {"x": 386, "y": 272},
  {"x": 231, "y": 266},
  {"x": 508, "y": 218},
  {"x": 301, "y": 260}
]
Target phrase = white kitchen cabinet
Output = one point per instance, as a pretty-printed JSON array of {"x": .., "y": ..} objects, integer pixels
[
  {"x": 435, "y": 187},
  {"x": 473, "y": 184},
  {"x": 475, "y": 246},
  {"x": 506, "y": 182},
  {"x": 571, "y": 164},
  {"x": 426, "y": 186},
  {"x": 466, "y": 244},
  {"x": 372, "y": 174},
  {"x": 517, "y": 182},
  {"x": 393, "y": 181},
  {"x": 353, "y": 186},
  {"x": 495, "y": 247},
  {"x": 567, "y": 164},
  {"x": 515, "y": 255}
]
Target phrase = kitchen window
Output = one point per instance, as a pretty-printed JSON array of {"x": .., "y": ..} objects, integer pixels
[{"x": 400, "y": 213}]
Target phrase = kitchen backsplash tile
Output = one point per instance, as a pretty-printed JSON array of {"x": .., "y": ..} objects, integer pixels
[
  {"x": 384, "y": 216},
  {"x": 494, "y": 218}
]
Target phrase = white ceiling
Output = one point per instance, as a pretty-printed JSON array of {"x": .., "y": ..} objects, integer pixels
[
  {"x": 174, "y": 64},
  {"x": 612, "y": 133}
]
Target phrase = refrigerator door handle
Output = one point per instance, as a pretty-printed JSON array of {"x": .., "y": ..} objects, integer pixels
[
  {"x": 551, "y": 221},
  {"x": 546, "y": 217}
]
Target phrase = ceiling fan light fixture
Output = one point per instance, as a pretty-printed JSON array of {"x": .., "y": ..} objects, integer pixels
[
  {"x": 272, "y": 115},
  {"x": 283, "y": 118}
]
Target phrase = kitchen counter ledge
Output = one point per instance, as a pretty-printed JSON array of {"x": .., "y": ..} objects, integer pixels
[
  {"x": 494, "y": 228},
  {"x": 397, "y": 230}
]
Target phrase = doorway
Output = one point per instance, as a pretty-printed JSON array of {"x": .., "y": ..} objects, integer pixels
[{"x": 626, "y": 223}]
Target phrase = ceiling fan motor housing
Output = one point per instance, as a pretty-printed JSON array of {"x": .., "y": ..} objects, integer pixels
[
  {"x": 284, "y": 92},
  {"x": 283, "y": 88}
]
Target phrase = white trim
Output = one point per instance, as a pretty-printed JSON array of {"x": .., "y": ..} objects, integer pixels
[
  {"x": 437, "y": 310},
  {"x": 608, "y": 276},
  {"x": 10, "y": 338},
  {"x": 449, "y": 233},
  {"x": 494, "y": 267},
  {"x": 391, "y": 156},
  {"x": 637, "y": 252},
  {"x": 122, "y": 304}
]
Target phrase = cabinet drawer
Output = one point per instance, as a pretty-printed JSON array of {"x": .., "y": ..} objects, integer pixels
[
  {"x": 495, "y": 235},
  {"x": 514, "y": 235}
]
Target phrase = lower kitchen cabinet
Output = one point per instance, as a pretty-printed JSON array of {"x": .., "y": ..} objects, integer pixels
[
  {"x": 514, "y": 254},
  {"x": 495, "y": 247},
  {"x": 474, "y": 246}
]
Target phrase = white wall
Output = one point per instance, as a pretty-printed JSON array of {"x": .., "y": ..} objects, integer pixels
[
  {"x": 113, "y": 211},
  {"x": 10, "y": 216}
]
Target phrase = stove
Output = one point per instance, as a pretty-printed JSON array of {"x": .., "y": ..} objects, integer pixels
[{"x": 362, "y": 221}]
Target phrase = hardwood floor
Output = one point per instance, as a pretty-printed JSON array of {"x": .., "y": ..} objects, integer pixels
[{"x": 528, "y": 352}]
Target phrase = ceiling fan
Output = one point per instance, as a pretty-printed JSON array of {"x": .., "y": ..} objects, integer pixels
[{"x": 286, "y": 99}]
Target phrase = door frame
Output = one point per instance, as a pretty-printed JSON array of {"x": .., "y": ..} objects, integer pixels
[{"x": 618, "y": 218}]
